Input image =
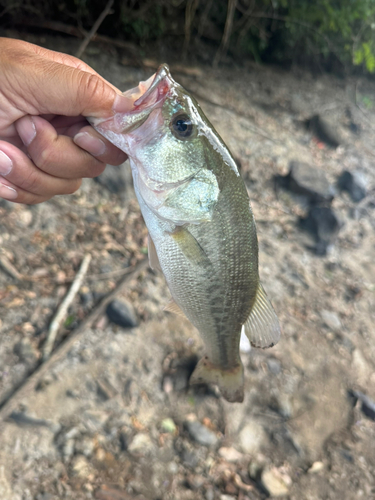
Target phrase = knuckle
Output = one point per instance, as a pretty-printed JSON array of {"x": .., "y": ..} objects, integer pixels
[{"x": 31, "y": 182}]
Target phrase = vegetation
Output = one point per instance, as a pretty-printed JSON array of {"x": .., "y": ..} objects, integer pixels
[{"x": 328, "y": 33}]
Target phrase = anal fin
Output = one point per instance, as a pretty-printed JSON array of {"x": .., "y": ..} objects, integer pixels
[
  {"x": 174, "y": 308},
  {"x": 262, "y": 326}
]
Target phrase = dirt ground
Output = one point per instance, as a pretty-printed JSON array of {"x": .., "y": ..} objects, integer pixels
[{"x": 115, "y": 418}]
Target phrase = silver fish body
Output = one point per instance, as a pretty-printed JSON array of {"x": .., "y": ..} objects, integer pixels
[{"x": 202, "y": 231}]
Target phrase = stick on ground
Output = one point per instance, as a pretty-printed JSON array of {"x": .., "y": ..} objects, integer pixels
[
  {"x": 28, "y": 386},
  {"x": 64, "y": 306}
]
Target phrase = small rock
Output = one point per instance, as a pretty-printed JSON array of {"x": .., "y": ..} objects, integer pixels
[
  {"x": 24, "y": 218},
  {"x": 168, "y": 425},
  {"x": 316, "y": 467},
  {"x": 81, "y": 467},
  {"x": 255, "y": 469},
  {"x": 274, "y": 366},
  {"x": 310, "y": 181},
  {"x": 354, "y": 183},
  {"x": 230, "y": 454},
  {"x": 276, "y": 483},
  {"x": 26, "y": 351},
  {"x": 367, "y": 404},
  {"x": 121, "y": 313},
  {"x": 252, "y": 437},
  {"x": 331, "y": 320},
  {"x": 324, "y": 224},
  {"x": 200, "y": 433},
  {"x": 324, "y": 130},
  {"x": 85, "y": 446},
  {"x": 141, "y": 444},
  {"x": 227, "y": 497}
]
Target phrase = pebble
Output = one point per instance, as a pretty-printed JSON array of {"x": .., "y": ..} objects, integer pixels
[
  {"x": 252, "y": 437},
  {"x": 168, "y": 425},
  {"x": 276, "y": 483},
  {"x": 80, "y": 467},
  {"x": 367, "y": 404},
  {"x": 230, "y": 454},
  {"x": 316, "y": 467},
  {"x": 354, "y": 183},
  {"x": 324, "y": 224},
  {"x": 141, "y": 444},
  {"x": 310, "y": 181},
  {"x": 200, "y": 433},
  {"x": 121, "y": 313},
  {"x": 324, "y": 130},
  {"x": 85, "y": 446},
  {"x": 227, "y": 497},
  {"x": 331, "y": 320}
]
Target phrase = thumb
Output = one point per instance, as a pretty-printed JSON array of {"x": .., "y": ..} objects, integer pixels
[{"x": 71, "y": 91}]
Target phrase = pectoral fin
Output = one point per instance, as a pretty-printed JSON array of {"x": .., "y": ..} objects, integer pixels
[
  {"x": 262, "y": 326},
  {"x": 153, "y": 258},
  {"x": 189, "y": 246}
]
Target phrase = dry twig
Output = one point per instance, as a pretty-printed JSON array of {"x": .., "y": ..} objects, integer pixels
[
  {"x": 24, "y": 390},
  {"x": 9, "y": 268},
  {"x": 90, "y": 35},
  {"x": 227, "y": 32},
  {"x": 64, "y": 306}
]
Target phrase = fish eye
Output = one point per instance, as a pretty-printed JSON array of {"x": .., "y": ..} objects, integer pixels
[{"x": 181, "y": 126}]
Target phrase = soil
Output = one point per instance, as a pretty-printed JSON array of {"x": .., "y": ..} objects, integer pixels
[{"x": 112, "y": 420}]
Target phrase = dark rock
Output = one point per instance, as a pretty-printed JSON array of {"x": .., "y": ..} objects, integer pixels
[
  {"x": 115, "y": 179},
  {"x": 200, "y": 433},
  {"x": 324, "y": 130},
  {"x": 178, "y": 373},
  {"x": 324, "y": 224},
  {"x": 367, "y": 404},
  {"x": 121, "y": 313},
  {"x": 354, "y": 183},
  {"x": 309, "y": 181}
]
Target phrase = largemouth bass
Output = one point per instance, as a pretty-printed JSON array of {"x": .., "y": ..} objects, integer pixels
[{"x": 202, "y": 233}]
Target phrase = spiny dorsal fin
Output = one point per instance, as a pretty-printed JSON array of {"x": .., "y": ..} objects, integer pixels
[
  {"x": 174, "y": 308},
  {"x": 262, "y": 326},
  {"x": 153, "y": 258}
]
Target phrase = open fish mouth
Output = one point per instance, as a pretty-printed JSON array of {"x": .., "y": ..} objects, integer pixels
[{"x": 142, "y": 100}]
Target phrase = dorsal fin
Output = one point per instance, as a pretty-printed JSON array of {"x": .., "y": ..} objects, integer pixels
[
  {"x": 153, "y": 258},
  {"x": 262, "y": 326}
]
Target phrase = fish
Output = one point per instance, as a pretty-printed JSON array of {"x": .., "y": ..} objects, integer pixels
[{"x": 202, "y": 233}]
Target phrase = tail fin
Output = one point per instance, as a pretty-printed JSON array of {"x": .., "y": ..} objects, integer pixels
[{"x": 230, "y": 381}]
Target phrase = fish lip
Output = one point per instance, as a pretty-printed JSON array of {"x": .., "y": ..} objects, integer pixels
[
  {"x": 154, "y": 94},
  {"x": 159, "y": 83}
]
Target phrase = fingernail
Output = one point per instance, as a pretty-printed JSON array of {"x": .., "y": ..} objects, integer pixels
[
  {"x": 6, "y": 164},
  {"x": 91, "y": 144},
  {"x": 122, "y": 104},
  {"x": 26, "y": 130},
  {"x": 7, "y": 192}
]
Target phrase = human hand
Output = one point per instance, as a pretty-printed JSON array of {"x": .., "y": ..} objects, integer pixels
[{"x": 46, "y": 144}]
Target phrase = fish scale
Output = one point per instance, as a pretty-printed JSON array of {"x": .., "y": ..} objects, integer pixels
[{"x": 202, "y": 231}]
